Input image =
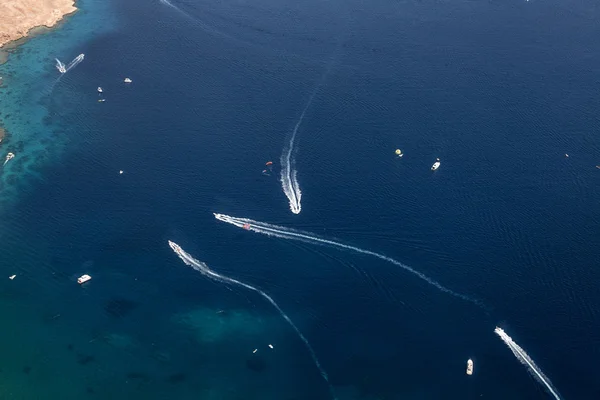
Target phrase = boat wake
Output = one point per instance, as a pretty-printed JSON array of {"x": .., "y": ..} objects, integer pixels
[
  {"x": 524, "y": 359},
  {"x": 289, "y": 173},
  {"x": 292, "y": 234},
  {"x": 63, "y": 69},
  {"x": 60, "y": 66},
  {"x": 206, "y": 271},
  {"x": 204, "y": 26},
  {"x": 289, "y": 178}
]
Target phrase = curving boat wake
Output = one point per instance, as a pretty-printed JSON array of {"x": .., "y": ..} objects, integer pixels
[
  {"x": 524, "y": 359},
  {"x": 289, "y": 179},
  {"x": 307, "y": 237},
  {"x": 206, "y": 271},
  {"x": 60, "y": 66}
]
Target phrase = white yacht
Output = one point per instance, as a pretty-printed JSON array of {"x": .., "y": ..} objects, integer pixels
[
  {"x": 83, "y": 279},
  {"x": 436, "y": 164},
  {"x": 9, "y": 157},
  {"x": 127, "y": 80},
  {"x": 470, "y": 367},
  {"x": 99, "y": 89}
]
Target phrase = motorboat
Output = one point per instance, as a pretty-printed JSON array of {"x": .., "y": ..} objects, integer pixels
[
  {"x": 99, "y": 89},
  {"x": 84, "y": 278},
  {"x": 175, "y": 247},
  {"x": 127, "y": 80},
  {"x": 469, "y": 367},
  {"x": 436, "y": 164},
  {"x": 9, "y": 157}
]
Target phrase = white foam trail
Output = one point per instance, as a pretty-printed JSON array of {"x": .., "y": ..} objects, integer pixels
[
  {"x": 207, "y": 28},
  {"x": 75, "y": 62},
  {"x": 60, "y": 66},
  {"x": 289, "y": 179},
  {"x": 205, "y": 270},
  {"x": 292, "y": 234},
  {"x": 524, "y": 358}
]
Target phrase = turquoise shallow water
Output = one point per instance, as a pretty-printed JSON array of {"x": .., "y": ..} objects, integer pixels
[
  {"x": 30, "y": 113},
  {"x": 500, "y": 92}
]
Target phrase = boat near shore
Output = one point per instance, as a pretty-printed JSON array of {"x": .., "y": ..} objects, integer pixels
[{"x": 9, "y": 157}]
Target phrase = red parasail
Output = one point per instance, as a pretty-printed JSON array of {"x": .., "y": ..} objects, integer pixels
[{"x": 269, "y": 163}]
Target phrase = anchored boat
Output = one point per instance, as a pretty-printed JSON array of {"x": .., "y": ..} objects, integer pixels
[{"x": 436, "y": 164}]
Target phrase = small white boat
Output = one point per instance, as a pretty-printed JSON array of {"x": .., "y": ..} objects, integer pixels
[
  {"x": 436, "y": 164},
  {"x": 99, "y": 89},
  {"x": 469, "y": 367},
  {"x": 127, "y": 80},
  {"x": 83, "y": 278},
  {"x": 12, "y": 277},
  {"x": 9, "y": 157}
]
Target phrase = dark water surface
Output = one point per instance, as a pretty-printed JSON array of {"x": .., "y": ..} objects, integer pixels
[{"x": 498, "y": 91}]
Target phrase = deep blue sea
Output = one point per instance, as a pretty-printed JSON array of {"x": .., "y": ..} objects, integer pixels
[{"x": 500, "y": 91}]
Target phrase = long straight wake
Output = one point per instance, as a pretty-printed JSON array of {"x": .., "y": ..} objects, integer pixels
[
  {"x": 524, "y": 359},
  {"x": 206, "y": 27},
  {"x": 206, "y": 271},
  {"x": 292, "y": 234},
  {"x": 75, "y": 62}
]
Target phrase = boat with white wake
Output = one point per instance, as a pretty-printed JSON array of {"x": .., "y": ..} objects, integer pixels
[{"x": 9, "y": 157}]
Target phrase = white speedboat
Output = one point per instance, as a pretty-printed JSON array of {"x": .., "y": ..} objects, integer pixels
[
  {"x": 469, "y": 367},
  {"x": 9, "y": 157},
  {"x": 84, "y": 278},
  {"x": 127, "y": 80},
  {"x": 99, "y": 89},
  {"x": 175, "y": 247},
  {"x": 436, "y": 164}
]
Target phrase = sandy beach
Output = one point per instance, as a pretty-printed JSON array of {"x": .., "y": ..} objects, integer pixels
[{"x": 19, "y": 17}]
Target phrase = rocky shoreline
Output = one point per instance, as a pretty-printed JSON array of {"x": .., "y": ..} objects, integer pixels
[{"x": 19, "y": 18}]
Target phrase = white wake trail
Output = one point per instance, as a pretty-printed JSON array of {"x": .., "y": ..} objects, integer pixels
[
  {"x": 205, "y": 270},
  {"x": 60, "y": 66},
  {"x": 75, "y": 62},
  {"x": 289, "y": 179},
  {"x": 289, "y": 173},
  {"x": 292, "y": 234},
  {"x": 524, "y": 359}
]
